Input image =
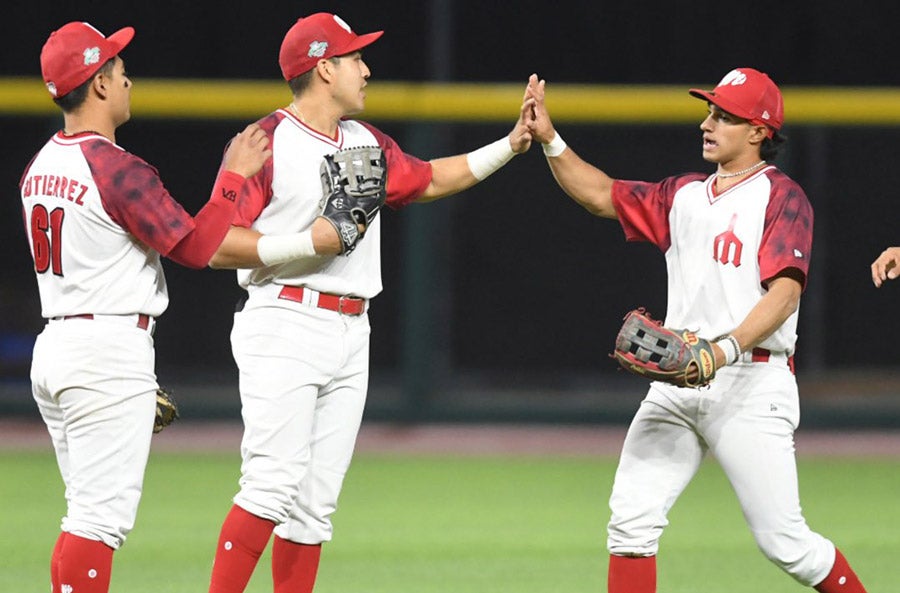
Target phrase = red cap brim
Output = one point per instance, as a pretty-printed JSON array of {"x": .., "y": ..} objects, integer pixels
[
  {"x": 121, "y": 38},
  {"x": 360, "y": 42},
  {"x": 732, "y": 108}
]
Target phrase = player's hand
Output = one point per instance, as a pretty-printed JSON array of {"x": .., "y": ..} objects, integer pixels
[
  {"x": 326, "y": 239},
  {"x": 540, "y": 124},
  {"x": 887, "y": 266},
  {"x": 520, "y": 137},
  {"x": 248, "y": 151}
]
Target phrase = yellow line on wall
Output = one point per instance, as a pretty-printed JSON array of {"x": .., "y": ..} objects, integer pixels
[{"x": 462, "y": 102}]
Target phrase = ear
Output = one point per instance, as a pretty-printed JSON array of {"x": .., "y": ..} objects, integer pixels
[
  {"x": 758, "y": 134},
  {"x": 325, "y": 69},
  {"x": 100, "y": 85}
]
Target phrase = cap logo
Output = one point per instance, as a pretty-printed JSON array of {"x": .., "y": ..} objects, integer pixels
[
  {"x": 91, "y": 56},
  {"x": 734, "y": 78},
  {"x": 52, "y": 88},
  {"x": 317, "y": 49},
  {"x": 765, "y": 115},
  {"x": 343, "y": 24}
]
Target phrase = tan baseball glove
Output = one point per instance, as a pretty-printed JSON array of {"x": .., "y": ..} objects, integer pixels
[{"x": 166, "y": 410}]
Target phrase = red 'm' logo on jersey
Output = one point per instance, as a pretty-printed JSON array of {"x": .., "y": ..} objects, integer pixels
[{"x": 727, "y": 247}]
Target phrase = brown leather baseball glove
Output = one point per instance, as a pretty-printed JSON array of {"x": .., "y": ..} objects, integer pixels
[
  {"x": 166, "y": 410},
  {"x": 677, "y": 356}
]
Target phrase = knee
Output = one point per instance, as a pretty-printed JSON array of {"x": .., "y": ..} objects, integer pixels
[
  {"x": 635, "y": 537},
  {"x": 804, "y": 556}
]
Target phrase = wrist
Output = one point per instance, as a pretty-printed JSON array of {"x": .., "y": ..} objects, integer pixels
[
  {"x": 278, "y": 249},
  {"x": 730, "y": 347},
  {"x": 487, "y": 159},
  {"x": 556, "y": 146}
]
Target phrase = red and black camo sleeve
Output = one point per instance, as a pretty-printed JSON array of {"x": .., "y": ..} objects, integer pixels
[
  {"x": 407, "y": 176},
  {"x": 135, "y": 198},
  {"x": 643, "y": 208},
  {"x": 788, "y": 232}
]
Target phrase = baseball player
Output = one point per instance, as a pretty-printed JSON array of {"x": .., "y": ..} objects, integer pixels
[
  {"x": 886, "y": 266},
  {"x": 97, "y": 219},
  {"x": 737, "y": 246},
  {"x": 301, "y": 340}
]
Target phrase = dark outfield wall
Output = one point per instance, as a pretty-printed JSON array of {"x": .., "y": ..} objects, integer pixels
[
  {"x": 528, "y": 282},
  {"x": 798, "y": 42}
]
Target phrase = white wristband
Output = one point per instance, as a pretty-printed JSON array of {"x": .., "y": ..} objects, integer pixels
[
  {"x": 730, "y": 347},
  {"x": 555, "y": 147},
  {"x": 278, "y": 249},
  {"x": 487, "y": 159}
]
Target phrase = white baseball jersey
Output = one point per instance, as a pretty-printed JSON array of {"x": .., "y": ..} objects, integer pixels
[
  {"x": 97, "y": 218},
  {"x": 721, "y": 249},
  {"x": 284, "y": 198}
]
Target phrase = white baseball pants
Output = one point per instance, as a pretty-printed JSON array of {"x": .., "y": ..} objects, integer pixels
[
  {"x": 95, "y": 386},
  {"x": 303, "y": 378},
  {"x": 746, "y": 420}
]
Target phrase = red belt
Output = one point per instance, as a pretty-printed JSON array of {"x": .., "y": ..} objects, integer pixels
[
  {"x": 143, "y": 321},
  {"x": 762, "y": 355},
  {"x": 346, "y": 305}
]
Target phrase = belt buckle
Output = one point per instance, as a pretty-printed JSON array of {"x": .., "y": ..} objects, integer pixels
[{"x": 343, "y": 299}]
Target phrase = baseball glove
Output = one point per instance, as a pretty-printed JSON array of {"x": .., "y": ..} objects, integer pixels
[
  {"x": 353, "y": 191},
  {"x": 676, "y": 356},
  {"x": 166, "y": 410}
]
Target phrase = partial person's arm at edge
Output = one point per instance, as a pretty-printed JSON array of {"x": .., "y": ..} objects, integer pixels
[
  {"x": 248, "y": 248},
  {"x": 886, "y": 266}
]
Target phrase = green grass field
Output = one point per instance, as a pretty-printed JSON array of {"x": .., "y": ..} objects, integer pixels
[{"x": 458, "y": 525}]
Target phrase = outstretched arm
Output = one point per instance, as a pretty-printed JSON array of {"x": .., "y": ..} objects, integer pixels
[
  {"x": 584, "y": 183},
  {"x": 887, "y": 266},
  {"x": 453, "y": 174}
]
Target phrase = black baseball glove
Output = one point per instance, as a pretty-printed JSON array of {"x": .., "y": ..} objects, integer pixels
[
  {"x": 353, "y": 191},
  {"x": 166, "y": 410}
]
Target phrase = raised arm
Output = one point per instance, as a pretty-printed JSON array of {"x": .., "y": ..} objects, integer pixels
[
  {"x": 453, "y": 174},
  {"x": 583, "y": 182}
]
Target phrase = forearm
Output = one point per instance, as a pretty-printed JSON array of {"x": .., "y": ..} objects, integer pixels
[
  {"x": 449, "y": 175},
  {"x": 210, "y": 224},
  {"x": 242, "y": 248},
  {"x": 587, "y": 185},
  {"x": 453, "y": 174},
  {"x": 769, "y": 314}
]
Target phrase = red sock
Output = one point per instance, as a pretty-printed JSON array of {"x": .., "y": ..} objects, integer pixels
[
  {"x": 241, "y": 542},
  {"x": 631, "y": 575},
  {"x": 84, "y": 565},
  {"x": 54, "y": 563},
  {"x": 841, "y": 579},
  {"x": 294, "y": 566}
]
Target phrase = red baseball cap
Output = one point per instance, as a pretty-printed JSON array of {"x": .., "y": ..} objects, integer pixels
[
  {"x": 749, "y": 94},
  {"x": 75, "y": 51},
  {"x": 316, "y": 37}
]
